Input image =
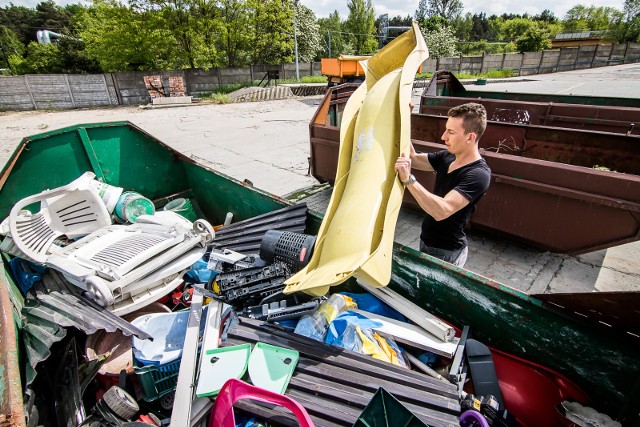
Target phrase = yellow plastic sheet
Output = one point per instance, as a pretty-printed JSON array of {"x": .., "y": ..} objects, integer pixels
[{"x": 356, "y": 234}]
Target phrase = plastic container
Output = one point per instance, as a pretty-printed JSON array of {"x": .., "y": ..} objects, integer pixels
[
  {"x": 294, "y": 249},
  {"x": 168, "y": 331},
  {"x": 108, "y": 193},
  {"x": 131, "y": 205},
  {"x": 384, "y": 410},
  {"x": 315, "y": 325},
  {"x": 182, "y": 207},
  {"x": 473, "y": 419},
  {"x": 157, "y": 381}
]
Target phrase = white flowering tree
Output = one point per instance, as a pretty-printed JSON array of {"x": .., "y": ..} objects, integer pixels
[{"x": 441, "y": 41}]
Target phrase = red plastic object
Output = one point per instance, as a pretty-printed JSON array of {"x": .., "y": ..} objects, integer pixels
[
  {"x": 531, "y": 392},
  {"x": 234, "y": 390}
]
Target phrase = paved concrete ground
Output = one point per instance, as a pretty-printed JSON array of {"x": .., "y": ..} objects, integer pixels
[{"x": 268, "y": 143}]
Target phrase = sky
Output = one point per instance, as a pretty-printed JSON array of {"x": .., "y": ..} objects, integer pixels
[{"x": 323, "y": 8}]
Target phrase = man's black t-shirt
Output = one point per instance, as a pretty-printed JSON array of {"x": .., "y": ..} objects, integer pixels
[{"x": 472, "y": 181}]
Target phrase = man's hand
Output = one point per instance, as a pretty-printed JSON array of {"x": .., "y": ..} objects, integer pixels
[{"x": 403, "y": 166}]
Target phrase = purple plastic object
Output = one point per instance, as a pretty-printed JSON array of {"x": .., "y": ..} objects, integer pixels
[{"x": 473, "y": 419}]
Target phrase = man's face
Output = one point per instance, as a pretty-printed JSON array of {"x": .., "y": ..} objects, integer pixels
[{"x": 454, "y": 136}]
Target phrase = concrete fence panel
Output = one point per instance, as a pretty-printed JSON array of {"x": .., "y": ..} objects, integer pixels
[
  {"x": 586, "y": 54},
  {"x": 235, "y": 75},
  {"x": 451, "y": 64},
  {"x": 602, "y": 54},
  {"x": 199, "y": 82},
  {"x": 549, "y": 62},
  {"x": 568, "y": 58},
  {"x": 90, "y": 90},
  {"x": 15, "y": 94},
  {"x": 50, "y": 91},
  {"x": 512, "y": 61},
  {"x": 471, "y": 64},
  {"x": 430, "y": 65},
  {"x": 492, "y": 62},
  {"x": 633, "y": 53},
  {"x": 531, "y": 63},
  {"x": 617, "y": 54}
]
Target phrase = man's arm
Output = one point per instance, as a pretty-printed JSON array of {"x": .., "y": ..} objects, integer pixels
[
  {"x": 420, "y": 161},
  {"x": 438, "y": 207}
]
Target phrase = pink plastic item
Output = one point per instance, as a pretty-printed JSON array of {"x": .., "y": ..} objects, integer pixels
[{"x": 234, "y": 390}]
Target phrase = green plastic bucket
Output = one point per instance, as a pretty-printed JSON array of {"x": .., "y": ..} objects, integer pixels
[
  {"x": 131, "y": 205},
  {"x": 182, "y": 207}
]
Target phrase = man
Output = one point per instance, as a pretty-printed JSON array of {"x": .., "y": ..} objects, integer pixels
[{"x": 462, "y": 178}]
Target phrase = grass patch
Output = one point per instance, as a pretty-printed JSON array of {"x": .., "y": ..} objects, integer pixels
[{"x": 220, "y": 98}]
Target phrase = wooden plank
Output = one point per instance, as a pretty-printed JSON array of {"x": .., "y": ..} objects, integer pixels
[{"x": 335, "y": 385}]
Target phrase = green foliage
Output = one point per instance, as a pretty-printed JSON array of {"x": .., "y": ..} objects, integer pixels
[
  {"x": 533, "y": 40},
  {"x": 20, "y": 20},
  {"x": 447, "y": 9},
  {"x": 9, "y": 46},
  {"x": 121, "y": 39},
  {"x": 333, "y": 35},
  {"x": 583, "y": 18},
  {"x": 308, "y": 34},
  {"x": 361, "y": 25},
  {"x": 271, "y": 23},
  {"x": 40, "y": 59},
  {"x": 441, "y": 42},
  {"x": 483, "y": 46},
  {"x": 627, "y": 27}
]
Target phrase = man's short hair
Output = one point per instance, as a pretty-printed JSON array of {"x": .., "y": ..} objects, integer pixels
[{"x": 474, "y": 117}]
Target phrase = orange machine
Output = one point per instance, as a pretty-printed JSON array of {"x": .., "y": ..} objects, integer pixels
[{"x": 343, "y": 69}]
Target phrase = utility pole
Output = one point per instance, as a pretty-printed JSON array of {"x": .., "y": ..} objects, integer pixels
[
  {"x": 295, "y": 39},
  {"x": 329, "y": 34}
]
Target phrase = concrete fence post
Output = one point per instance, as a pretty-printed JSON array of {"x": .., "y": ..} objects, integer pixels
[
  {"x": 33, "y": 101},
  {"x": 73, "y": 101}
]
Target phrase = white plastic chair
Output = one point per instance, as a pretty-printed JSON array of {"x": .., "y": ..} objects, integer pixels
[{"x": 73, "y": 210}]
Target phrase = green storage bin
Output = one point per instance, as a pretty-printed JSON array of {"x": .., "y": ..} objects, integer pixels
[
  {"x": 157, "y": 380},
  {"x": 384, "y": 410}
]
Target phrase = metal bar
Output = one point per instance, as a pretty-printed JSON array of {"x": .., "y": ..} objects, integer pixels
[
  {"x": 568, "y": 193},
  {"x": 91, "y": 154},
  {"x": 181, "y": 414}
]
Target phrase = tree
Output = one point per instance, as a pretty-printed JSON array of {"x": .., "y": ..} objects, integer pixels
[
  {"x": 40, "y": 59},
  {"x": 627, "y": 26},
  {"x": 448, "y": 9},
  {"x": 20, "y": 20},
  {"x": 582, "y": 18},
  {"x": 234, "y": 40},
  {"x": 441, "y": 42},
  {"x": 121, "y": 39},
  {"x": 533, "y": 40},
  {"x": 308, "y": 33},
  {"x": 546, "y": 16},
  {"x": 481, "y": 29},
  {"x": 333, "y": 35},
  {"x": 10, "y": 47},
  {"x": 361, "y": 25},
  {"x": 271, "y": 23}
]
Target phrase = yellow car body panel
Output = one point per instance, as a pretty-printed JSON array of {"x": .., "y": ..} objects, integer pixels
[{"x": 356, "y": 234}]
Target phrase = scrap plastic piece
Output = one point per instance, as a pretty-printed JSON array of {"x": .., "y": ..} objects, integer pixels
[
  {"x": 219, "y": 365},
  {"x": 271, "y": 367},
  {"x": 356, "y": 235},
  {"x": 234, "y": 390}
]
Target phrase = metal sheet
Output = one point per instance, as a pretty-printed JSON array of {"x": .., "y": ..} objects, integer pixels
[
  {"x": 619, "y": 310},
  {"x": 55, "y": 305}
]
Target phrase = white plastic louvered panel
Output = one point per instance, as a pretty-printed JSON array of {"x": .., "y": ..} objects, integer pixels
[
  {"x": 78, "y": 213},
  {"x": 34, "y": 233},
  {"x": 118, "y": 249}
]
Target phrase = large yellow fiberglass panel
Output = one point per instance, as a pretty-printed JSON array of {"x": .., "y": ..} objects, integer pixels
[{"x": 356, "y": 235}]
